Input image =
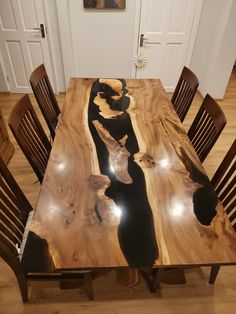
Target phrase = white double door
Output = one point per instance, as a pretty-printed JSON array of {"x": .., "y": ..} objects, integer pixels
[
  {"x": 167, "y": 27},
  {"x": 22, "y": 44}
]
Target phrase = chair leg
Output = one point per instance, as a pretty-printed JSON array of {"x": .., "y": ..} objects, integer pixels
[
  {"x": 89, "y": 285},
  {"x": 214, "y": 272}
]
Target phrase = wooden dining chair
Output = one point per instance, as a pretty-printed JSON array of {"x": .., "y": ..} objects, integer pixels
[
  {"x": 45, "y": 97},
  {"x": 30, "y": 135},
  {"x": 184, "y": 92},
  {"x": 206, "y": 127},
  {"x": 224, "y": 183},
  {"x": 14, "y": 212}
]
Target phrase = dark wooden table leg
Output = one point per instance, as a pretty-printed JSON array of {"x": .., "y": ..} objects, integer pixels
[
  {"x": 76, "y": 280},
  {"x": 147, "y": 278},
  {"x": 157, "y": 276},
  {"x": 214, "y": 272},
  {"x": 89, "y": 285}
]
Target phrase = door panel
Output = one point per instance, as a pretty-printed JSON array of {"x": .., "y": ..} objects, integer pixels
[
  {"x": 35, "y": 54},
  {"x": 178, "y": 17},
  {"x": 153, "y": 52},
  {"x": 171, "y": 64},
  {"x": 22, "y": 47},
  {"x": 16, "y": 59},
  {"x": 7, "y": 16},
  {"x": 154, "y": 16},
  {"x": 166, "y": 25},
  {"x": 29, "y": 16}
]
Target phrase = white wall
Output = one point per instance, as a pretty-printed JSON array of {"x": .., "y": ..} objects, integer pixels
[
  {"x": 215, "y": 47},
  {"x": 85, "y": 33}
]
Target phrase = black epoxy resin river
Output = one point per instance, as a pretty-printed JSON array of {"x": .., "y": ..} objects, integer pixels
[{"x": 136, "y": 232}]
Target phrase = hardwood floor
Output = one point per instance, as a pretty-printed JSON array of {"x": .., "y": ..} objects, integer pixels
[{"x": 110, "y": 297}]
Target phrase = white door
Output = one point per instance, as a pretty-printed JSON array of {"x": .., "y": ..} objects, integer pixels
[
  {"x": 22, "y": 45},
  {"x": 166, "y": 26}
]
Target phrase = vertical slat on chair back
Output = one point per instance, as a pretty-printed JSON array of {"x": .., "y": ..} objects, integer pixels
[
  {"x": 206, "y": 127},
  {"x": 30, "y": 135},
  {"x": 14, "y": 209},
  {"x": 224, "y": 183},
  {"x": 45, "y": 97},
  {"x": 184, "y": 92}
]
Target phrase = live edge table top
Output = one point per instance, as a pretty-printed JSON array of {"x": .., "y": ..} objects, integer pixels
[{"x": 124, "y": 186}]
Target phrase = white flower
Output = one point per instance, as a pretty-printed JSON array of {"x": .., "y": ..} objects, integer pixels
[{"x": 140, "y": 60}]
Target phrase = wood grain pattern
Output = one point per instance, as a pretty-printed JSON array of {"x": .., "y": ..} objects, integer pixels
[
  {"x": 81, "y": 223},
  {"x": 6, "y": 147}
]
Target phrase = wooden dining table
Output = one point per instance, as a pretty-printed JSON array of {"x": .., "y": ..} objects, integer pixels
[{"x": 124, "y": 187}]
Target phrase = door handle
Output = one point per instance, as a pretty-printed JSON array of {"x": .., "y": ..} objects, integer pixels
[
  {"x": 142, "y": 38},
  {"x": 41, "y": 29}
]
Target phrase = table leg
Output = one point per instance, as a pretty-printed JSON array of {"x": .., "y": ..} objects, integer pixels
[
  {"x": 147, "y": 278},
  {"x": 157, "y": 276},
  {"x": 214, "y": 272},
  {"x": 89, "y": 285}
]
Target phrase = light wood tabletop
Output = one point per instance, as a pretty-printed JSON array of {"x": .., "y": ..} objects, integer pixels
[{"x": 124, "y": 186}]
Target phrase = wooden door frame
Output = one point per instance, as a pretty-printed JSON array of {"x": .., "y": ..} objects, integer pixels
[
  {"x": 63, "y": 12},
  {"x": 5, "y": 81},
  {"x": 192, "y": 36},
  {"x": 137, "y": 13}
]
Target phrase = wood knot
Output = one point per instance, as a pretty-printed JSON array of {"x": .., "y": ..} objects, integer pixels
[
  {"x": 146, "y": 160},
  {"x": 67, "y": 222},
  {"x": 75, "y": 257},
  {"x": 98, "y": 182}
]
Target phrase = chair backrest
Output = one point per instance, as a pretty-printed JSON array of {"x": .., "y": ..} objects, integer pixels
[
  {"x": 45, "y": 97},
  {"x": 224, "y": 183},
  {"x": 184, "y": 92},
  {"x": 206, "y": 127},
  {"x": 30, "y": 135},
  {"x": 14, "y": 209}
]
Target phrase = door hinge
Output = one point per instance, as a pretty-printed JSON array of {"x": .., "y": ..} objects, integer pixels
[{"x": 7, "y": 78}]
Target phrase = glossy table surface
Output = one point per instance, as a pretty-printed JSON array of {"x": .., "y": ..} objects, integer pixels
[{"x": 124, "y": 186}]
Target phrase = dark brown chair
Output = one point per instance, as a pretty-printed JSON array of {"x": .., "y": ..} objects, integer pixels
[
  {"x": 206, "y": 127},
  {"x": 45, "y": 97},
  {"x": 224, "y": 183},
  {"x": 14, "y": 212},
  {"x": 30, "y": 135},
  {"x": 184, "y": 92}
]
